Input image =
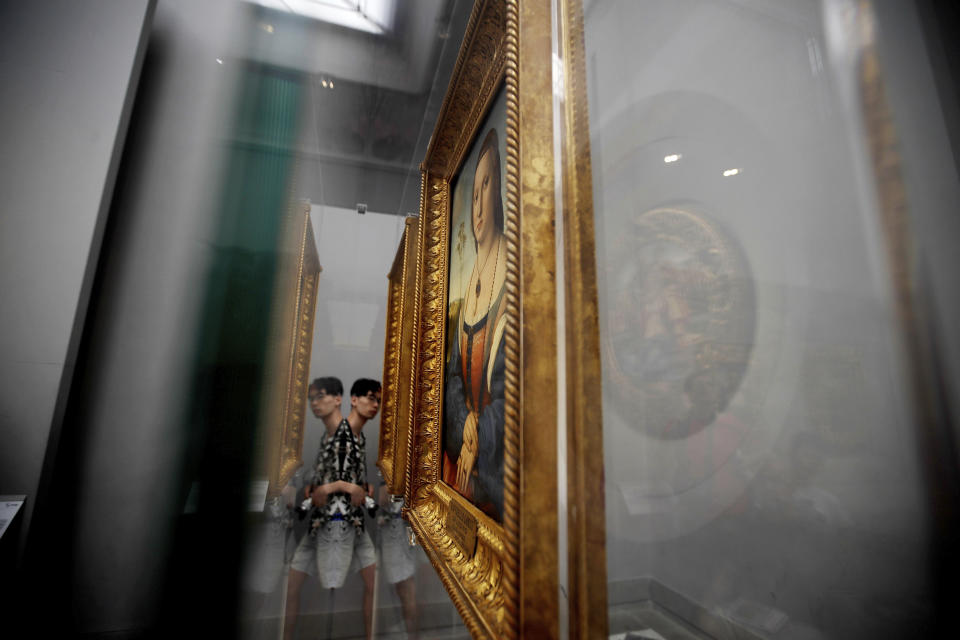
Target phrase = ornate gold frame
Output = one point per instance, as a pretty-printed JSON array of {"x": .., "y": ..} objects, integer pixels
[
  {"x": 399, "y": 361},
  {"x": 290, "y": 343},
  {"x": 502, "y": 578}
]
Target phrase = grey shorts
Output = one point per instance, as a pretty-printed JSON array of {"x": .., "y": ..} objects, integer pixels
[
  {"x": 336, "y": 549},
  {"x": 398, "y": 560}
]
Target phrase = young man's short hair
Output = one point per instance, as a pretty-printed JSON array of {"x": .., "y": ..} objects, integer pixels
[
  {"x": 328, "y": 384},
  {"x": 363, "y": 386}
]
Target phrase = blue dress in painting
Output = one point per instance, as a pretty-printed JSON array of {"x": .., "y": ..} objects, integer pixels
[{"x": 475, "y": 382}]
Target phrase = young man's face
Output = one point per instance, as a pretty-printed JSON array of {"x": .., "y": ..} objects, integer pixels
[
  {"x": 368, "y": 405},
  {"x": 322, "y": 403}
]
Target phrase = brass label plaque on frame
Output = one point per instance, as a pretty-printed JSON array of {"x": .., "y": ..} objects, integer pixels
[{"x": 462, "y": 528}]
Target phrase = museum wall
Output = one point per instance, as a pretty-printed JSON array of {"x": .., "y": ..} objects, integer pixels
[
  {"x": 732, "y": 146},
  {"x": 122, "y": 419},
  {"x": 69, "y": 74}
]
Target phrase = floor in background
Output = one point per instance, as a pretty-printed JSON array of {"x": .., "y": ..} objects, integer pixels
[
  {"x": 646, "y": 620},
  {"x": 350, "y": 627}
]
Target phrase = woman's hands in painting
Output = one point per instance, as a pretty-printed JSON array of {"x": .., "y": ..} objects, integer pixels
[{"x": 468, "y": 452}]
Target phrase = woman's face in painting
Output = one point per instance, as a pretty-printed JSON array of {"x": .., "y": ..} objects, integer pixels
[{"x": 484, "y": 199}]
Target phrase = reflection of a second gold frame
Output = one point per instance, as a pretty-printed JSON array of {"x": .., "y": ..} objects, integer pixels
[
  {"x": 289, "y": 346},
  {"x": 399, "y": 372}
]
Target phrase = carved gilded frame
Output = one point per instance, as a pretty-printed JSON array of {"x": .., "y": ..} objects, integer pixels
[
  {"x": 502, "y": 577},
  {"x": 290, "y": 343},
  {"x": 399, "y": 361}
]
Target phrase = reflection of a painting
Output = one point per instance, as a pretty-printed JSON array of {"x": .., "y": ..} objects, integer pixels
[
  {"x": 681, "y": 322},
  {"x": 476, "y": 318}
]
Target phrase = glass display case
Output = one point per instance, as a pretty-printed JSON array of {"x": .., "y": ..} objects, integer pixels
[{"x": 770, "y": 436}]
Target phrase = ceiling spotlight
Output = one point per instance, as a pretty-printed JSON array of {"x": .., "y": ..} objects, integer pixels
[
  {"x": 672, "y": 158},
  {"x": 731, "y": 172},
  {"x": 324, "y": 83},
  {"x": 267, "y": 27},
  {"x": 331, "y": 84},
  {"x": 219, "y": 61}
]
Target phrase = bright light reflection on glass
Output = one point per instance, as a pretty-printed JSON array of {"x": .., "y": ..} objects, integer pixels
[
  {"x": 371, "y": 16},
  {"x": 731, "y": 172},
  {"x": 219, "y": 61},
  {"x": 672, "y": 158}
]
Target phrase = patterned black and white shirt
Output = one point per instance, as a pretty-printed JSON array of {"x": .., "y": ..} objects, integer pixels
[{"x": 342, "y": 456}]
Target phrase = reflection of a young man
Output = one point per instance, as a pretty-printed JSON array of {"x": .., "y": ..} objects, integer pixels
[{"x": 474, "y": 390}]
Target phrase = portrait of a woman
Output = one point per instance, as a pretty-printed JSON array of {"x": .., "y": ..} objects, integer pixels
[{"x": 474, "y": 385}]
